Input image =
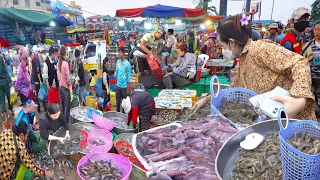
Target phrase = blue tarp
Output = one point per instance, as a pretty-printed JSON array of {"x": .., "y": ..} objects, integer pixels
[
  {"x": 162, "y": 11},
  {"x": 59, "y": 6}
]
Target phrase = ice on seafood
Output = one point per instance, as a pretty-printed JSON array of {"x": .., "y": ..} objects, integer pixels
[
  {"x": 104, "y": 170},
  {"x": 305, "y": 143},
  {"x": 120, "y": 123},
  {"x": 238, "y": 112},
  {"x": 263, "y": 162},
  {"x": 197, "y": 142}
]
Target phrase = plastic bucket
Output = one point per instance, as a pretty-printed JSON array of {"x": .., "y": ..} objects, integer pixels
[
  {"x": 102, "y": 122},
  {"x": 91, "y": 102},
  {"x": 122, "y": 163}
]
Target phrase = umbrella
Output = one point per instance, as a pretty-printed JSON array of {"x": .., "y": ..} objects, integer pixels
[{"x": 160, "y": 11}]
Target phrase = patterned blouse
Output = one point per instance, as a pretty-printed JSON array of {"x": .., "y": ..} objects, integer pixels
[
  {"x": 8, "y": 156},
  {"x": 263, "y": 65},
  {"x": 23, "y": 81}
]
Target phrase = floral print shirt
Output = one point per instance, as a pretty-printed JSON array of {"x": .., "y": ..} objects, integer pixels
[
  {"x": 23, "y": 81},
  {"x": 264, "y": 65}
]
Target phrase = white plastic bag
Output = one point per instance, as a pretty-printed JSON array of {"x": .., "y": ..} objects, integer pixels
[{"x": 12, "y": 91}]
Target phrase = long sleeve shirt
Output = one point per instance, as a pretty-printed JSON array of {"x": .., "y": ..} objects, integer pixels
[
  {"x": 183, "y": 64},
  {"x": 8, "y": 156},
  {"x": 4, "y": 75},
  {"x": 47, "y": 125},
  {"x": 123, "y": 71},
  {"x": 266, "y": 65},
  {"x": 64, "y": 75}
]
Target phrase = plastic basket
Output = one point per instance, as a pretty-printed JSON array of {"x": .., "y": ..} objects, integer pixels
[
  {"x": 103, "y": 135},
  {"x": 92, "y": 111},
  {"x": 122, "y": 163},
  {"x": 91, "y": 102},
  {"x": 102, "y": 122},
  {"x": 296, "y": 164},
  {"x": 241, "y": 95}
]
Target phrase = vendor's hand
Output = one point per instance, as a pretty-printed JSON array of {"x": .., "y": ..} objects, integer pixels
[
  {"x": 292, "y": 105},
  {"x": 61, "y": 139},
  {"x": 165, "y": 67},
  {"x": 67, "y": 136},
  {"x": 167, "y": 75},
  {"x": 11, "y": 84},
  {"x": 48, "y": 174}
]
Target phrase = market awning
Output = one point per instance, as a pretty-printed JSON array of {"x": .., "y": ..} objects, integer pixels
[
  {"x": 26, "y": 16},
  {"x": 204, "y": 18},
  {"x": 62, "y": 21},
  {"x": 160, "y": 11},
  {"x": 59, "y": 6}
]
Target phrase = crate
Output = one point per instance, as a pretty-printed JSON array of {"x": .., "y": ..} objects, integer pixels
[
  {"x": 199, "y": 87},
  {"x": 154, "y": 92},
  {"x": 222, "y": 79},
  {"x": 113, "y": 99}
]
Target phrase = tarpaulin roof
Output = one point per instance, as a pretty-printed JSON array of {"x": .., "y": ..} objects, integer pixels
[
  {"x": 26, "y": 16},
  {"x": 205, "y": 17},
  {"x": 159, "y": 11},
  {"x": 62, "y": 21}
]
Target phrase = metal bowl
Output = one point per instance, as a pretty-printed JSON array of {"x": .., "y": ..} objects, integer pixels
[
  {"x": 79, "y": 114},
  {"x": 120, "y": 116},
  {"x": 229, "y": 152}
]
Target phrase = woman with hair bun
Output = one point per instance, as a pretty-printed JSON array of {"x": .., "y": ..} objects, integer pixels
[
  {"x": 15, "y": 161},
  {"x": 265, "y": 65},
  {"x": 178, "y": 72}
]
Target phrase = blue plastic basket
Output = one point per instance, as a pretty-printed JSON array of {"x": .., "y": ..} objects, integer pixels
[
  {"x": 241, "y": 95},
  {"x": 91, "y": 111},
  {"x": 296, "y": 164}
]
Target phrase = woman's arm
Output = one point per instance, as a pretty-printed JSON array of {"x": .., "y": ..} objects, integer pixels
[
  {"x": 44, "y": 134},
  {"x": 64, "y": 122},
  {"x": 175, "y": 64},
  {"x": 26, "y": 160}
]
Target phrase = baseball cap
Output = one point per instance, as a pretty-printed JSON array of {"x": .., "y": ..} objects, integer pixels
[
  {"x": 298, "y": 13},
  {"x": 273, "y": 26}
]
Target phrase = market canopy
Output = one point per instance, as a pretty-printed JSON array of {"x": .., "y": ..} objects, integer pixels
[
  {"x": 160, "y": 11},
  {"x": 59, "y": 6},
  {"x": 62, "y": 21},
  {"x": 206, "y": 17},
  {"x": 25, "y": 16}
]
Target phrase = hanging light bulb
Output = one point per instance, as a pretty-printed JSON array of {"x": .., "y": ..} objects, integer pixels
[
  {"x": 208, "y": 22},
  {"x": 121, "y": 22},
  {"x": 166, "y": 26},
  {"x": 147, "y": 25},
  {"x": 178, "y": 22},
  {"x": 52, "y": 23},
  {"x": 202, "y": 26}
]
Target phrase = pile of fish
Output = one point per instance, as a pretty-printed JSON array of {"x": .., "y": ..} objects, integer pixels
[
  {"x": 263, "y": 162},
  {"x": 165, "y": 117},
  {"x": 97, "y": 142},
  {"x": 198, "y": 142},
  {"x": 69, "y": 147},
  {"x": 120, "y": 123},
  {"x": 80, "y": 114},
  {"x": 305, "y": 143},
  {"x": 87, "y": 128},
  {"x": 203, "y": 111},
  {"x": 50, "y": 163},
  {"x": 177, "y": 93},
  {"x": 172, "y": 102},
  {"x": 96, "y": 170},
  {"x": 238, "y": 112}
]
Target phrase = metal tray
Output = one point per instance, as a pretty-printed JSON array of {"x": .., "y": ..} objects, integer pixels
[
  {"x": 229, "y": 152},
  {"x": 123, "y": 117},
  {"x": 83, "y": 116}
]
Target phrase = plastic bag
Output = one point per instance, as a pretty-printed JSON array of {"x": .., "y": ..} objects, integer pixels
[
  {"x": 42, "y": 95},
  {"x": 13, "y": 97},
  {"x": 12, "y": 91}
]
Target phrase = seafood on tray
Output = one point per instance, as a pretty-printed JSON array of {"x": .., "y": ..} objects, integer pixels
[
  {"x": 263, "y": 162},
  {"x": 120, "y": 123},
  {"x": 172, "y": 102},
  {"x": 305, "y": 143},
  {"x": 238, "y": 112},
  {"x": 80, "y": 114},
  {"x": 165, "y": 117},
  {"x": 198, "y": 142},
  {"x": 178, "y": 93},
  {"x": 196, "y": 112},
  {"x": 100, "y": 170}
]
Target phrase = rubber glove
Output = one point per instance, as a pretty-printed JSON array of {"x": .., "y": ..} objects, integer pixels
[
  {"x": 61, "y": 139},
  {"x": 292, "y": 105},
  {"x": 67, "y": 135}
]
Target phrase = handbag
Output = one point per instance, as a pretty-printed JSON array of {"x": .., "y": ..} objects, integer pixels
[
  {"x": 17, "y": 164},
  {"x": 53, "y": 96}
]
